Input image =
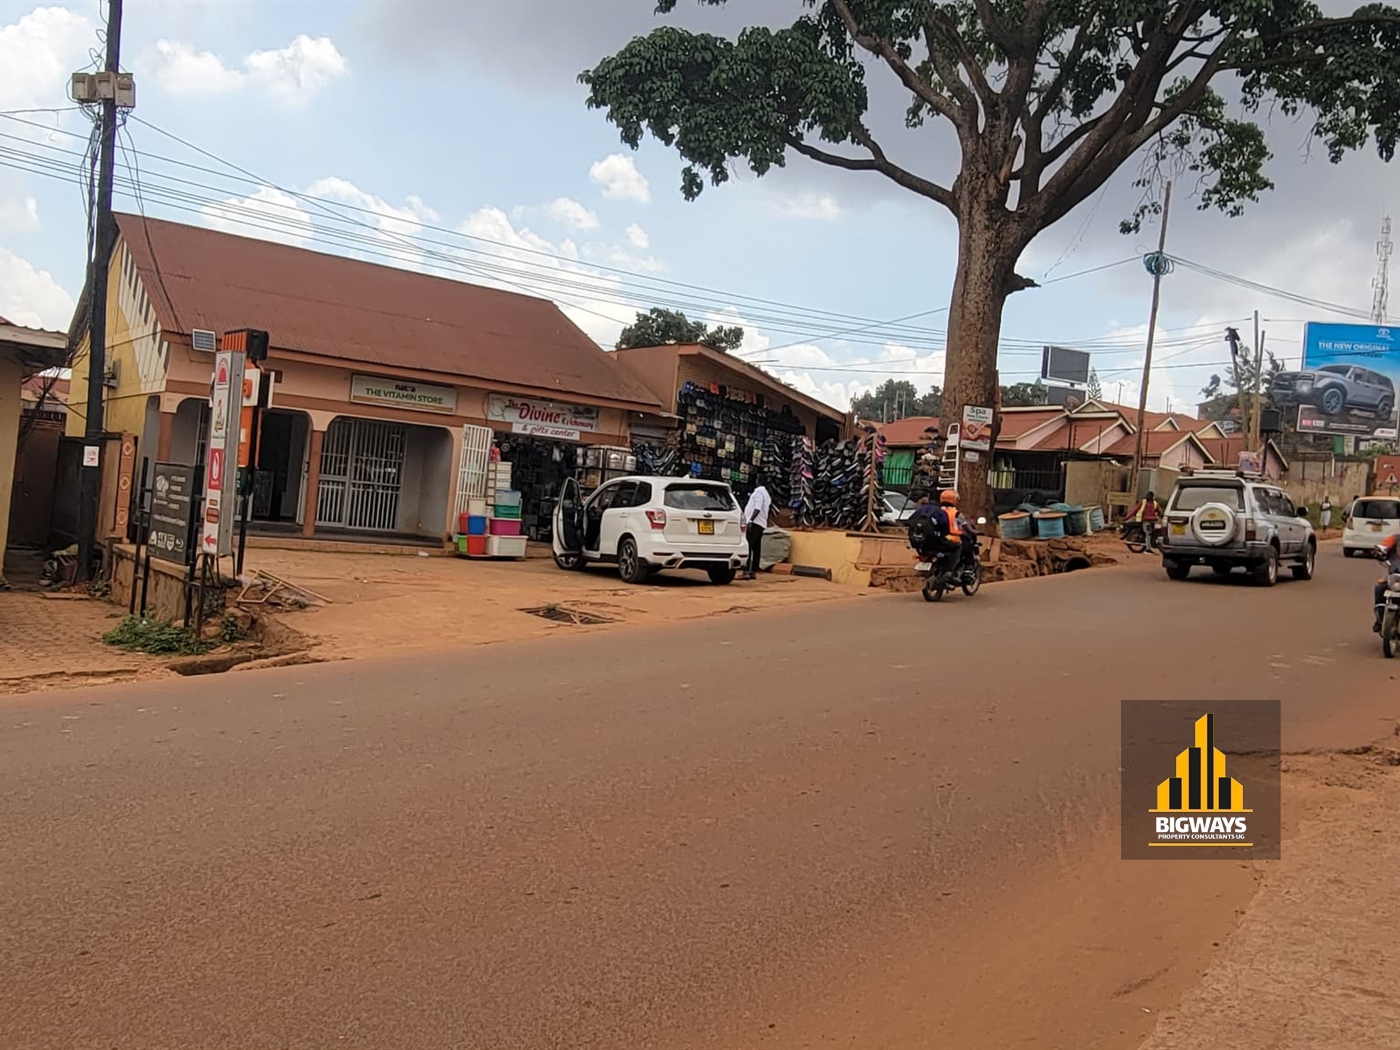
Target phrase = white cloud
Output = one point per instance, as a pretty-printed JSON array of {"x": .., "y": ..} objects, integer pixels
[
  {"x": 38, "y": 54},
  {"x": 289, "y": 75},
  {"x": 19, "y": 215},
  {"x": 182, "y": 70},
  {"x": 398, "y": 224},
  {"x": 269, "y": 215},
  {"x": 619, "y": 179},
  {"x": 571, "y": 213},
  {"x": 31, "y": 297},
  {"x": 637, "y": 237},
  {"x": 301, "y": 69},
  {"x": 809, "y": 206}
]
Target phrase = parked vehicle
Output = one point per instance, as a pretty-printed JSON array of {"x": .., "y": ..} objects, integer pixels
[
  {"x": 1369, "y": 520},
  {"x": 947, "y": 571},
  {"x": 897, "y": 509},
  {"x": 1135, "y": 534},
  {"x": 646, "y": 524},
  {"x": 1390, "y": 618},
  {"x": 1333, "y": 389},
  {"x": 1230, "y": 520}
]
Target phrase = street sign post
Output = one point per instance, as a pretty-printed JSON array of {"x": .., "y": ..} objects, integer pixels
[
  {"x": 172, "y": 501},
  {"x": 216, "y": 531}
]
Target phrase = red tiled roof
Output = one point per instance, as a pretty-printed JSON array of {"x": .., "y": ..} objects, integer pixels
[
  {"x": 335, "y": 307},
  {"x": 1154, "y": 442},
  {"x": 34, "y": 385},
  {"x": 908, "y": 431},
  {"x": 1017, "y": 423},
  {"x": 1076, "y": 434}
]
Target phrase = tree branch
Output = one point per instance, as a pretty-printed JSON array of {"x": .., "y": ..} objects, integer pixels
[
  {"x": 937, "y": 21},
  {"x": 882, "y": 48},
  {"x": 877, "y": 161}
]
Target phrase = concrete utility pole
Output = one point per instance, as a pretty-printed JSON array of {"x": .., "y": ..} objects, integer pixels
[
  {"x": 95, "y": 426},
  {"x": 1258, "y": 383},
  {"x": 1158, "y": 268}
]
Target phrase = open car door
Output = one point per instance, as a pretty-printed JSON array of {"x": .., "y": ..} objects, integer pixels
[{"x": 568, "y": 526}]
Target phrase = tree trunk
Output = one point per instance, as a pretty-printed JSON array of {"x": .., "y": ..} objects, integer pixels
[{"x": 988, "y": 248}]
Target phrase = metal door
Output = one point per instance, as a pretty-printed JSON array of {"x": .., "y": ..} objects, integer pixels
[
  {"x": 471, "y": 468},
  {"x": 361, "y": 475}
]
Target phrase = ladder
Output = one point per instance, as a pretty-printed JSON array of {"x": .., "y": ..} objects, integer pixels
[{"x": 948, "y": 468}]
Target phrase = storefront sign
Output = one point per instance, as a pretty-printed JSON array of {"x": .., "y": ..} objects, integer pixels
[
  {"x": 399, "y": 393},
  {"x": 976, "y": 429},
  {"x": 216, "y": 535},
  {"x": 170, "y": 513},
  {"x": 542, "y": 418}
]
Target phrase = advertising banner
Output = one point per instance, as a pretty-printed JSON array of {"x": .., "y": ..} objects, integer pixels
[
  {"x": 1347, "y": 384},
  {"x": 216, "y": 532},
  {"x": 542, "y": 418},
  {"x": 976, "y": 429}
]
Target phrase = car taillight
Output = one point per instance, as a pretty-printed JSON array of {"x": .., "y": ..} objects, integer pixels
[
  {"x": 657, "y": 518},
  {"x": 1249, "y": 533}
]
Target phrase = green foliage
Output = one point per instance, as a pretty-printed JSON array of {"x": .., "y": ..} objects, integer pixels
[
  {"x": 1023, "y": 395},
  {"x": 159, "y": 639},
  {"x": 1095, "y": 387},
  {"x": 897, "y": 399},
  {"x": 659, "y": 327}
]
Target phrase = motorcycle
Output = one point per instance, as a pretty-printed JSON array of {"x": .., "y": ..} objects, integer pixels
[
  {"x": 1134, "y": 534},
  {"x": 944, "y": 571},
  {"x": 1390, "y": 613}
]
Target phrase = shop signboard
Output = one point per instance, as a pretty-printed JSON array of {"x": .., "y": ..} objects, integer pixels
[
  {"x": 401, "y": 393},
  {"x": 542, "y": 418},
  {"x": 976, "y": 433},
  {"x": 171, "y": 501},
  {"x": 216, "y": 532},
  {"x": 1347, "y": 384}
]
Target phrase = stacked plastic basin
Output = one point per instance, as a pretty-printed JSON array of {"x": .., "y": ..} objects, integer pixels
[{"x": 503, "y": 539}]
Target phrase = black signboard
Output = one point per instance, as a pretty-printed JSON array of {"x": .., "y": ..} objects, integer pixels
[{"x": 171, "y": 494}]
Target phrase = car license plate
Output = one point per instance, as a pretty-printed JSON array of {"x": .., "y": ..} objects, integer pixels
[
  {"x": 1178, "y": 530},
  {"x": 707, "y": 528},
  {"x": 922, "y": 566},
  {"x": 1375, "y": 526}
]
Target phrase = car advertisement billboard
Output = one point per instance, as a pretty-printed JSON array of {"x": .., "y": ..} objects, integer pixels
[{"x": 1347, "y": 383}]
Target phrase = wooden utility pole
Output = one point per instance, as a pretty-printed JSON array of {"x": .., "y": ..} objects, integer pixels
[
  {"x": 1157, "y": 269},
  {"x": 1258, "y": 380},
  {"x": 90, "y": 480}
]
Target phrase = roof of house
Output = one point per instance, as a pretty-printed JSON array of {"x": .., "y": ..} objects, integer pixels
[
  {"x": 909, "y": 431},
  {"x": 37, "y": 348},
  {"x": 1155, "y": 443},
  {"x": 370, "y": 315},
  {"x": 1226, "y": 450},
  {"x": 1075, "y": 433},
  {"x": 34, "y": 385},
  {"x": 1017, "y": 422}
]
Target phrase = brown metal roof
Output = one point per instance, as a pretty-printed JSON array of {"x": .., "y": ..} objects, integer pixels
[
  {"x": 908, "y": 431},
  {"x": 369, "y": 315}
]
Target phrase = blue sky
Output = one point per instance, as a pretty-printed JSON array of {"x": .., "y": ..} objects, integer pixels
[{"x": 467, "y": 117}]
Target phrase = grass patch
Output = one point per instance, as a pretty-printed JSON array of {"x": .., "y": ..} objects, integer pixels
[{"x": 136, "y": 635}]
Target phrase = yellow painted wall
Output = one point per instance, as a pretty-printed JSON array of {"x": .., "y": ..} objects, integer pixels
[
  {"x": 10, "y": 379},
  {"x": 827, "y": 549},
  {"x": 135, "y": 344}
]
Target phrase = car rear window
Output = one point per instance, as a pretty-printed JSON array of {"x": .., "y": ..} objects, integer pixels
[
  {"x": 1193, "y": 497},
  {"x": 1384, "y": 509},
  {"x": 699, "y": 497}
]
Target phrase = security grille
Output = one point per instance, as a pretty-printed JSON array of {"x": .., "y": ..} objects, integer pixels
[
  {"x": 471, "y": 472},
  {"x": 361, "y": 475}
]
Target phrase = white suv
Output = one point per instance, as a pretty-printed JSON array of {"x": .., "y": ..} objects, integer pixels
[{"x": 646, "y": 524}]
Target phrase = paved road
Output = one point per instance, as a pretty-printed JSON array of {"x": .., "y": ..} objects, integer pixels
[{"x": 683, "y": 837}]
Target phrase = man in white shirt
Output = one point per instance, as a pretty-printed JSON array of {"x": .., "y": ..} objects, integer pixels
[{"x": 754, "y": 521}]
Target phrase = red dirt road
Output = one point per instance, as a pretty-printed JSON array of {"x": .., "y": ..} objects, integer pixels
[{"x": 874, "y": 823}]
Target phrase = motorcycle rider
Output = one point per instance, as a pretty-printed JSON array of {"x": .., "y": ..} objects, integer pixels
[
  {"x": 1389, "y": 552},
  {"x": 952, "y": 529}
]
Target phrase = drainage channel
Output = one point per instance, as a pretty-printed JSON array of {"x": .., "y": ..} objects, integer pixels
[{"x": 565, "y": 615}]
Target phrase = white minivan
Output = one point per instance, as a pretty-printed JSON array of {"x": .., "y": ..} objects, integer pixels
[
  {"x": 646, "y": 524},
  {"x": 1370, "y": 519}
]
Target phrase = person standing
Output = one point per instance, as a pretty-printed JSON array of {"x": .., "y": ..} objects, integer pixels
[
  {"x": 1326, "y": 516},
  {"x": 755, "y": 523}
]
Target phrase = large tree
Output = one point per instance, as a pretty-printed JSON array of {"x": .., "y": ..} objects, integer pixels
[
  {"x": 659, "y": 327},
  {"x": 1046, "y": 98},
  {"x": 897, "y": 399}
]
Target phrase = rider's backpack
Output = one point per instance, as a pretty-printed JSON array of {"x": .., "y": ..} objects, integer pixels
[{"x": 922, "y": 531}]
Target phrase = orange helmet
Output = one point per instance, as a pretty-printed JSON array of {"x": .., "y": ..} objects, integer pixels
[{"x": 948, "y": 497}]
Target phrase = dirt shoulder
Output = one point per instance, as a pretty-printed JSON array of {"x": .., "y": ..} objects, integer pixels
[{"x": 1315, "y": 961}]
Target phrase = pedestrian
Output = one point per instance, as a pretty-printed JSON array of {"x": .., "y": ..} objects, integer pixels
[
  {"x": 754, "y": 522},
  {"x": 1326, "y": 515},
  {"x": 1145, "y": 514}
]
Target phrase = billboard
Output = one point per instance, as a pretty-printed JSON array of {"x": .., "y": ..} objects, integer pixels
[
  {"x": 1061, "y": 365},
  {"x": 1348, "y": 381}
]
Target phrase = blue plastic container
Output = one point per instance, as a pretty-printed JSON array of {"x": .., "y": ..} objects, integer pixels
[
  {"x": 1076, "y": 518},
  {"x": 1015, "y": 526},
  {"x": 1050, "y": 524},
  {"x": 476, "y": 526},
  {"x": 507, "y": 498},
  {"x": 1096, "y": 521}
]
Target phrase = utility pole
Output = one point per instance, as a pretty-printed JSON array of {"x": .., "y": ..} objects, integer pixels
[
  {"x": 1253, "y": 432},
  {"x": 1158, "y": 266},
  {"x": 95, "y": 426}
]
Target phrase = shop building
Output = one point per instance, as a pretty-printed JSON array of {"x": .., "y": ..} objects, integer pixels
[
  {"x": 24, "y": 353},
  {"x": 722, "y": 416},
  {"x": 389, "y": 386}
]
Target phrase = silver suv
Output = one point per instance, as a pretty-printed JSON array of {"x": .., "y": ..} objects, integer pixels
[{"x": 1230, "y": 520}]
